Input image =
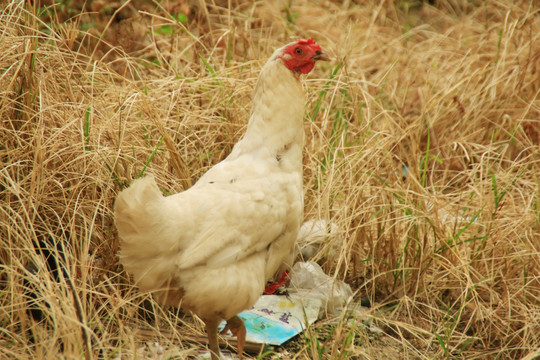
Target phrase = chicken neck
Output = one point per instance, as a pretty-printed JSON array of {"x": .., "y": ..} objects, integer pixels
[{"x": 275, "y": 127}]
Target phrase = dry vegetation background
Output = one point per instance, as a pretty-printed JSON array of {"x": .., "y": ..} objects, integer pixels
[{"x": 422, "y": 145}]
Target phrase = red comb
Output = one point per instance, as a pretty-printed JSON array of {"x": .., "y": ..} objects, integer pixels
[{"x": 310, "y": 42}]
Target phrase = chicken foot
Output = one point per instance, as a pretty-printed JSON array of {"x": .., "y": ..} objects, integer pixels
[{"x": 237, "y": 328}]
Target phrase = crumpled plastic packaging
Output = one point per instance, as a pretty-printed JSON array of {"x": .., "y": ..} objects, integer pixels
[
  {"x": 309, "y": 281},
  {"x": 315, "y": 234}
]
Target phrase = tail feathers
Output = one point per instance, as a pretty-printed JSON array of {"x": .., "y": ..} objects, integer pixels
[
  {"x": 147, "y": 248},
  {"x": 135, "y": 209}
]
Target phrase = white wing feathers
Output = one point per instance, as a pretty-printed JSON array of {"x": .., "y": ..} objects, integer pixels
[{"x": 212, "y": 224}]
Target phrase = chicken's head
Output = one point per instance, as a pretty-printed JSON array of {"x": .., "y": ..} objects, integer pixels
[{"x": 300, "y": 56}]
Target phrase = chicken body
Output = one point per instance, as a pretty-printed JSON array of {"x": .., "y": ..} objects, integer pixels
[{"x": 212, "y": 248}]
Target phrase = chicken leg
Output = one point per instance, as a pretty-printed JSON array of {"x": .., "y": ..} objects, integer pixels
[
  {"x": 237, "y": 328},
  {"x": 211, "y": 332}
]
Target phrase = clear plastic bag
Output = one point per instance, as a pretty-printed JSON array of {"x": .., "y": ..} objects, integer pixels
[{"x": 309, "y": 280}]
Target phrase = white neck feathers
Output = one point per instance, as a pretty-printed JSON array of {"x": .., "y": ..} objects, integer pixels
[{"x": 278, "y": 110}]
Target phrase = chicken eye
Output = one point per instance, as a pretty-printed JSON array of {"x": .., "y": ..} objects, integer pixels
[{"x": 298, "y": 51}]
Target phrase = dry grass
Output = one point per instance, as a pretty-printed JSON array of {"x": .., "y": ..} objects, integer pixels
[{"x": 422, "y": 144}]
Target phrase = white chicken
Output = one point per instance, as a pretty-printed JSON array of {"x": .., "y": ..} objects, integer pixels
[{"x": 211, "y": 248}]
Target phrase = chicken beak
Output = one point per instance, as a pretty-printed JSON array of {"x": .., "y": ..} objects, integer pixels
[{"x": 319, "y": 55}]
